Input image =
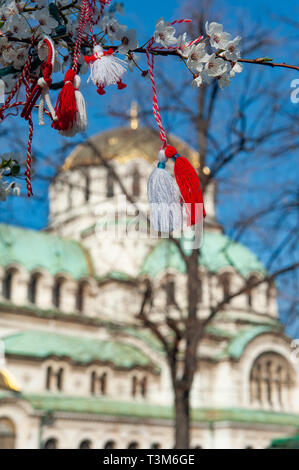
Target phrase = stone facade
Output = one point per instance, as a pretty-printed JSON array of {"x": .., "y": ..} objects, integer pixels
[{"x": 79, "y": 371}]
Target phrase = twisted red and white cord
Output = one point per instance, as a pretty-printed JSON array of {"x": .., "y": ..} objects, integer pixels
[
  {"x": 103, "y": 4},
  {"x": 150, "y": 63},
  {"x": 30, "y": 136},
  {"x": 81, "y": 29},
  {"x": 156, "y": 110}
]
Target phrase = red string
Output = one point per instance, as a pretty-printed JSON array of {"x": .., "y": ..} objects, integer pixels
[
  {"x": 81, "y": 29},
  {"x": 23, "y": 78},
  {"x": 150, "y": 63},
  {"x": 156, "y": 110},
  {"x": 28, "y": 160}
]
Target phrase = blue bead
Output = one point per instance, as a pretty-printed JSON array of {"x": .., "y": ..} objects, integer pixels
[{"x": 161, "y": 165}]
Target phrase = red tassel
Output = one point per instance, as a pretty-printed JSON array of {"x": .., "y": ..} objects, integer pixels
[
  {"x": 188, "y": 183},
  {"x": 66, "y": 106}
]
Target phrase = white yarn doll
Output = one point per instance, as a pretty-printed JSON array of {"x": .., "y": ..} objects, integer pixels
[{"x": 105, "y": 69}]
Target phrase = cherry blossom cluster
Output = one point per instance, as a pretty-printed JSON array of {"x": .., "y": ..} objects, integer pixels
[
  {"x": 8, "y": 168},
  {"x": 215, "y": 56}
]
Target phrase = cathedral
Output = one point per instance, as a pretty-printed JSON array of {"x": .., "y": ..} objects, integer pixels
[{"x": 78, "y": 370}]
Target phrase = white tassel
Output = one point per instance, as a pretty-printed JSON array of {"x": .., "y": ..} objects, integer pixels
[
  {"x": 45, "y": 49},
  {"x": 45, "y": 97},
  {"x": 80, "y": 123},
  {"x": 163, "y": 196},
  {"x": 106, "y": 69}
]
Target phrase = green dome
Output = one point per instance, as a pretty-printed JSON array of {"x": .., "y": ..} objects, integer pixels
[
  {"x": 33, "y": 250},
  {"x": 217, "y": 251}
]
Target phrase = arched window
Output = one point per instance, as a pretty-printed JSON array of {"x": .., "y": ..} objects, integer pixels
[
  {"x": 250, "y": 289},
  {"x": 110, "y": 184},
  {"x": 49, "y": 374},
  {"x": 136, "y": 182},
  {"x": 8, "y": 283},
  {"x": 7, "y": 434},
  {"x": 32, "y": 288},
  {"x": 139, "y": 386},
  {"x": 270, "y": 381},
  {"x": 59, "y": 377},
  {"x": 134, "y": 386},
  {"x": 103, "y": 383},
  {"x": 93, "y": 383},
  {"x": 86, "y": 444},
  {"x": 57, "y": 292},
  {"x": 110, "y": 445},
  {"x": 155, "y": 445},
  {"x": 70, "y": 196},
  {"x": 81, "y": 296},
  {"x": 133, "y": 445},
  {"x": 87, "y": 188},
  {"x": 170, "y": 292},
  {"x": 225, "y": 282},
  {"x": 54, "y": 380},
  {"x": 98, "y": 383},
  {"x": 51, "y": 443},
  {"x": 143, "y": 387}
]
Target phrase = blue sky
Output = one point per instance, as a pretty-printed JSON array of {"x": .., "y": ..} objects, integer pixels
[{"x": 33, "y": 213}]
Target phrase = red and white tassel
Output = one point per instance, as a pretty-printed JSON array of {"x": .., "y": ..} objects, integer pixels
[
  {"x": 41, "y": 87},
  {"x": 189, "y": 186},
  {"x": 80, "y": 123},
  {"x": 105, "y": 69},
  {"x": 66, "y": 106},
  {"x": 164, "y": 200},
  {"x": 43, "y": 83}
]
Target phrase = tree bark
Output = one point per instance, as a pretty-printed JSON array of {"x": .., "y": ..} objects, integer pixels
[{"x": 182, "y": 418}]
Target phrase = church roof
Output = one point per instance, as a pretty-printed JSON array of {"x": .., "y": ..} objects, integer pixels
[
  {"x": 34, "y": 249},
  {"x": 240, "y": 341},
  {"x": 103, "y": 406},
  {"x": 42, "y": 345},
  {"x": 124, "y": 144},
  {"x": 217, "y": 251}
]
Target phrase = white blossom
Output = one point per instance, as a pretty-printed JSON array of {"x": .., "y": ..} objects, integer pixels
[
  {"x": 164, "y": 33},
  {"x": 17, "y": 26},
  {"x": 9, "y": 9},
  {"x": 128, "y": 41},
  {"x": 236, "y": 68},
  {"x": 46, "y": 21},
  {"x": 197, "y": 57},
  {"x": 232, "y": 50},
  {"x": 20, "y": 56},
  {"x": 6, "y": 188},
  {"x": 218, "y": 38},
  {"x": 198, "y": 81},
  {"x": 7, "y": 52},
  {"x": 112, "y": 28},
  {"x": 216, "y": 66},
  {"x": 224, "y": 80},
  {"x": 131, "y": 63},
  {"x": 182, "y": 45}
]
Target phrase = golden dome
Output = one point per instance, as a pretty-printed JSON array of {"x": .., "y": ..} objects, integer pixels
[
  {"x": 123, "y": 144},
  {"x": 7, "y": 381}
]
